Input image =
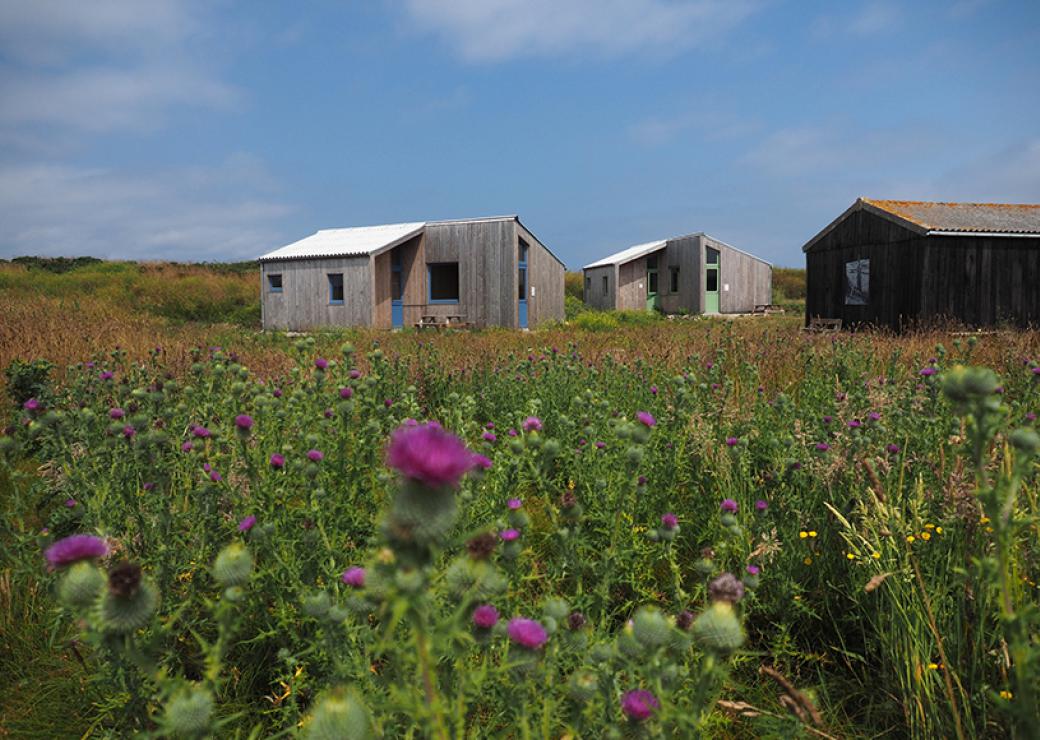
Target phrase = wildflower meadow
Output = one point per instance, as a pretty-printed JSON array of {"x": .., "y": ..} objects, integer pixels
[{"x": 689, "y": 529}]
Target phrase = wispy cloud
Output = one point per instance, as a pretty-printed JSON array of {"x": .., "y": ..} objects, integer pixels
[
  {"x": 869, "y": 19},
  {"x": 705, "y": 122},
  {"x": 496, "y": 30},
  {"x": 197, "y": 213}
]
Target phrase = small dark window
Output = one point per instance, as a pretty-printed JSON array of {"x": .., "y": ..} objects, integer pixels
[
  {"x": 588, "y": 287},
  {"x": 713, "y": 256},
  {"x": 651, "y": 262},
  {"x": 606, "y": 285},
  {"x": 444, "y": 282},
  {"x": 521, "y": 280},
  {"x": 274, "y": 283},
  {"x": 673, "y": 280},
  {"x": 713, "y": 281},
  {"x": 651, "y": 282},
  {"x": 335, "y": 288}
]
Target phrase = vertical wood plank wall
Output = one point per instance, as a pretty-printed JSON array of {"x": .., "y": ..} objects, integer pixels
[
  {"x": 485, "y": 251},
  {"x": 304, "y": 301},
  {"x": 750, "y": 280},
  {"x": 594, "y": 295},
  {"x": 545, "y": 276},
  {"x": 631, "y": 290},
  {"x": 414, "y": 281}
]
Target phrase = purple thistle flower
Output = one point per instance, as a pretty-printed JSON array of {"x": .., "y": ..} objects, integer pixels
[
  {"x": 481, "y": 462},
  {"x": 511, "y": 432},
  {"x": 187, "y": 447},
  {"x": 116, "y": 413},
  {"x": 75, "y": 548},
  {"x": 354, "y": 577},
  {"x": 514, "y": 504},
  {"x": 489, "y": 437},
  {"x": 148, "y": 486},
  {"x": 828, "y": 419},
  {"x": 929, "y": 371},
  {"x": 277, "y": 461},
  {"x": 729, "y": 506},
  {"x": 822, "y": 446},
  {"x": 315, "y": 455},
  {"x": 388, "y": 402},
  {"x": 215, "y": 476},
  {"x": 31, "y": 405},
  {"x": 509, "y": 535},
  {"x": 485, "y": 616},
  {"x": 490, "y": 425},
  {"x": 600, "y": 445},
  {"x": 753, "y": 570},
  {"x": 532, "y": 424},
  {"x": 201, "y": 432},
  {"x": 761, "y": 505},
  {"x": 277, "y": 393},
  {"x": 355, "y": 374},
  {"x": 732, "y": 441},
  {"x": 527, "y": 633},
  {"x": 70, "y": 503},
  {"x": 1030, "y": 416},
  {"x": 855, "y": 424},
  {"x": 893, "y": 449},
  {"x": 726, "y": 588},
  {"x": 129, "y": 431},
  {"x": 641, "y": 481},
  {"x": 669, "y": 521},
  {"x": 646, "y": 418},
  {"x": 639, "y": 704},
  {"x": 653, "y": 390},
  {"x": 874, "y": 416},
  {"x": 106, "y": 375},
  {"x": 244, "y": 422},
  {"x": 329, "y": 413},
  {"x": 246, "y": 524},
  {"x": 321, "y": 363},
  {"x": 430, "y": 455},
  {"x": 206, "y": 467},
  {"x": 346, "y": 392}
]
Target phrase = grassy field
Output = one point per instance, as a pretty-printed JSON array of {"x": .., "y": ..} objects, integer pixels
[{"x": 770, "y": 533}]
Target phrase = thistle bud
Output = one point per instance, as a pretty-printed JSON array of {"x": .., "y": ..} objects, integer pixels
[
  {"x": 129, "y": 602},
  {"x": 188, "y": 713},
  {"x": 339, "y": 715},
  {"x": 650, "y": 627},
  {"x": 233, "y": 566},
  {"x": 718, "y": 629},
  {"x": 317, "y": 605},
  {"x": 582, "y": 686},
  {"x": 81, "y": 585}
]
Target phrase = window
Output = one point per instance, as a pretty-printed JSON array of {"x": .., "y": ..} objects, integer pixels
[
  {"x": 444, "y": 282},
  {"x": 651, "y": 282},
  {"x": 651, "y": 262},
  {"x": 673, "y": 280},
  {"x": 606, "y": 285},
  {"x": 521, "y": 280},
  {"x": 588, "y": 287},
  {"x": 335, "y": 288},
  {"x": 713, "y": 256},
  {"x": 713, "y": 281},
  {"x": 274, "y": 283}
]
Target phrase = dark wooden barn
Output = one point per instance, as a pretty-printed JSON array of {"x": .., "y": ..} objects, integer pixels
[{"x": 903, "y": 264}]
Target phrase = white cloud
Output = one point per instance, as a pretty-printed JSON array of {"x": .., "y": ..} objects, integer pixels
[
  {"x": 104, "y": 65},
  {"x": 182, "y": 214},
  {"x": 495, "y": 30}
]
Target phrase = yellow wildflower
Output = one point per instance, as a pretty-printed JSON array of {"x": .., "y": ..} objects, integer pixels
[
  {"x": 812, "y": 533},
  {"x": 910, "y": 538},
  {"x": 938, "y": 530},
  {"x": 850, "y": 556},
  {"x": 933, "y": 666},
  {"x": 876, "y": 556},
  {"x": 926, "y": 535},
  {"x": 807, "y": 561},
  {"x": 803, "y": 534},
  {"x": 1005, "y": 694},
  {"x": 984, "y": 520},
  {"x": 929, "y": 526}
]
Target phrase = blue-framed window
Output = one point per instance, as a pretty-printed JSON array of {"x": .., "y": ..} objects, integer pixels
[
  {"x": 335, "y": 288},
  {"x": 442, "y": 282},
  {"x": 274, "y": 283}
]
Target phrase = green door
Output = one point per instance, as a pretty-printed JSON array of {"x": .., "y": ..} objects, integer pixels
[
  {"x": 711, "y": 281},
  {"x": 651, "y": 283}
]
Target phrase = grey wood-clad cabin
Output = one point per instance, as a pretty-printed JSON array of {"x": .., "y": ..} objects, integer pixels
[
  {"x": 483, "y": 272},
  {"x": 904, "y": 264},
  {"x": 686, "y": 274}
]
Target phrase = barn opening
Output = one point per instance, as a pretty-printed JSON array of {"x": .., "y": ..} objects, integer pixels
[{"x": 444, "y": 282}]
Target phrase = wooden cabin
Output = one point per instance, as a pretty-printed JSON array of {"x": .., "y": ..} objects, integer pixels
[
  {"x": 479, "y": 272},
  {"x": 686, "y": 274},
  {"x": 902, "y": 264}
]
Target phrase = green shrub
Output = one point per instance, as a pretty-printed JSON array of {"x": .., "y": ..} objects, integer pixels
[{"x": 597, "y": 321}]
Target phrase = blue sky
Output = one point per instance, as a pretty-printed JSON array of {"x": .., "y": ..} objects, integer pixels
[{"x": 185, "y": 130}]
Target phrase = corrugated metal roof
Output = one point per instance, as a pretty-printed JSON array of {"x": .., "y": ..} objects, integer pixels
[
  {"x": 356, "y": 241},
  {"x": 994, "y": 218},
  {"x": 627, "y": 255}
]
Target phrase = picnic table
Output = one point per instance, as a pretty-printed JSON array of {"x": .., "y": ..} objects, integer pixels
[{"x": 454, "y": 321}]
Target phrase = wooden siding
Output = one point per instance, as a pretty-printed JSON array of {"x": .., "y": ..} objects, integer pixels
[
  {"x": 486, "y": 253},
  {"x": 683, "y": 253},
  {"x": 594, "y": 296},
  {"x": 895, "y": 257},
  {"x": 544, "y": 279},
  {"x": 304, "y": 301},
  {"x": 631, "y": 290},
  {"x": 980, "y": 281},
  {"x": 413, "y": 298},
  {"x": 750, "y": 280}
]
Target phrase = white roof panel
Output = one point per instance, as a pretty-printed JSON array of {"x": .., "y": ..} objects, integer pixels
[
  {"x": 356, "y": 241},
  {"x": 627, "y": 255}
]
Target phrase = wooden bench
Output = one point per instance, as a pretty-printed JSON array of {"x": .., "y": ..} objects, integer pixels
[
  {"x": 450, "y": 321},
  {"x": 818, "y": 325},
  {"x": 768, "y": 308}
]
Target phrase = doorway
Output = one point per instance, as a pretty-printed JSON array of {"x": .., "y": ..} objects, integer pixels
[
  {"x": 711, "y": 281},
  {"x": 396, "y": 290},
  {"x": 521, "y": 279},
  {"x": 652, "y": 302}
]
